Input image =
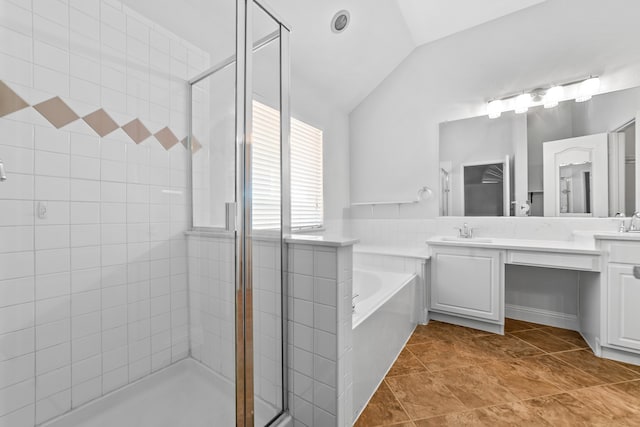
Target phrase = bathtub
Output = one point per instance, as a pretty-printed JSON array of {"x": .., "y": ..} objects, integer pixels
[{"x": 385, "y": 315}]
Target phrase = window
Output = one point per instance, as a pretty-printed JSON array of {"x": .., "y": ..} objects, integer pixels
[{"x": 306, "y": 171}]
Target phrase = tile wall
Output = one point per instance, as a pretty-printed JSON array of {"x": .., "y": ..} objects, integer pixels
[
  {"x": 211, "y": 270},
  {"x": 93, "y": 271},
  {"x": 211, "y": 266},
  {"x": 320, "y": 335}
]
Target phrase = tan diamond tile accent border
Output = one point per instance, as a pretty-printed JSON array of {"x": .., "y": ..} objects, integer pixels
[
  {"x": 136, "y": 131},
  {"x": 101, "y": 122},
  {"x": 59, "y": 114},
  {"x": 10, "y": 102},
  {"x": 166, "y": 138},
  {"x": 194, "y": 142},
  {"x": 56, "y": 112}
]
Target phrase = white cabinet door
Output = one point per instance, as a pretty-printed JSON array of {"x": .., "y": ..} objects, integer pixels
[
  {"x": 623, "y": 307},
  {"x": 468, "y": 281}
]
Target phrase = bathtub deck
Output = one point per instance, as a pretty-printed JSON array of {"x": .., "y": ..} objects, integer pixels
[{"x": 182, "y": 395}]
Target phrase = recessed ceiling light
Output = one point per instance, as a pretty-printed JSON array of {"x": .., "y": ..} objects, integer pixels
[{"x": 340, "y": 21}]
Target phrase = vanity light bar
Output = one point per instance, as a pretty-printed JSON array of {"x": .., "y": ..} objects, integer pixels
[{"x": 550, "y": 97}]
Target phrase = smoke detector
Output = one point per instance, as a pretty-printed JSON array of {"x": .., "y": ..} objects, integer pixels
[{"x": 340, "y": 21}]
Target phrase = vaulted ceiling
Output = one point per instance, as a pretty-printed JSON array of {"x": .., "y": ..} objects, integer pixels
[
  {"x": 346, "y": 67},
  {"x": 343, "y": 67}
]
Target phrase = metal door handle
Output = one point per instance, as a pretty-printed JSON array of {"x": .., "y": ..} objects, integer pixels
[{"x": 230, "y": 216}]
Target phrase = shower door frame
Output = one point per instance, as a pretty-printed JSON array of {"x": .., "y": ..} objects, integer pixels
[{"x": 243, "y": 193}]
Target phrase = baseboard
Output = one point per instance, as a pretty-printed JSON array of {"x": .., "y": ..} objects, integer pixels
[
  {"x": 543, "y": 317},
  {"x": 487, "y": 326},
  {"x": 632, "y": 358}
]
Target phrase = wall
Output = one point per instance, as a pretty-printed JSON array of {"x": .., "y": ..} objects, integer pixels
[
  {"x": 320, "y": 335},
  {"x": 394, "y": 132},
  {"x": 93, "y": 293}
]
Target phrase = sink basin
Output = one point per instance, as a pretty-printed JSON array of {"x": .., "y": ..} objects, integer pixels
[{"x": 463, "y": 239}]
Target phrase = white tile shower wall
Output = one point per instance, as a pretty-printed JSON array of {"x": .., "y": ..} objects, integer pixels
[
  {"x": 93, "y": 291},
  {"x": 212, "y": 297},
  {"x": 267, "y": 321},
  {"x": 320, "y": 335},
  {"x": 211, "y": 271}
]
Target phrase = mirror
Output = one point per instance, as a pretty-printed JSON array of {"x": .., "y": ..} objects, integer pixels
[
  {"x": 591, "y": 172},
  {"x": 575, "y": 189}
]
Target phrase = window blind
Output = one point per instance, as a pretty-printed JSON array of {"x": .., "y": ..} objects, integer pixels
[
  {"x": 306, "y": 176},
  {"x": 306, "y": 171}
]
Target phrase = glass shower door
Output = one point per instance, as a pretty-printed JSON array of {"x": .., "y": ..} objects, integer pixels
[
  {"x": 239, "y": 122},
  {"x": 268, "y": 153}
]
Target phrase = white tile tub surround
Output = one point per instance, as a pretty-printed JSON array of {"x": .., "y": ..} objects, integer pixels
[
  {"x": 320, "y": 333},
  {"x": 396, "y": 259},
  {"x": 93, "y": 294}
]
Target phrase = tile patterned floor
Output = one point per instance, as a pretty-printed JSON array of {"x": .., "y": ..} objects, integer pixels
[{"x": 534, "y": 375}]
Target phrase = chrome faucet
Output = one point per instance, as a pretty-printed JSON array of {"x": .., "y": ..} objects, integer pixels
[
  {"x": 465, "y": 232},
  {"x": 353, "y": 302},
  {"x": 622, "y": 228},
  {"x": 633, "y": 226}
]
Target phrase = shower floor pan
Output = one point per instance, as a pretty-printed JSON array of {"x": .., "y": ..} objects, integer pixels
[{"x": 185, "y": 394}]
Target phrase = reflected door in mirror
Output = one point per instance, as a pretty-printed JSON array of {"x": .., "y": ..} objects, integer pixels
[
  {"x": 486, "y": 189},
  {"x": 575, "y": 189},
  {"x": 576, "y": 179}
]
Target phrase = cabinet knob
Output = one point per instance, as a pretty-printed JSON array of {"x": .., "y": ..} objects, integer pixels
[{"x": 636, "y": 271}]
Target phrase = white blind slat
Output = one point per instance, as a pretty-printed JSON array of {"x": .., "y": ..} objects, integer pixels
[{"x": 306, "y": 171}]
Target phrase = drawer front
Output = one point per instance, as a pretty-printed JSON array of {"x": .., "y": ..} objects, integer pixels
[
  {"x": 555, "y": 260},
  {"x": 624, "y": 252}
]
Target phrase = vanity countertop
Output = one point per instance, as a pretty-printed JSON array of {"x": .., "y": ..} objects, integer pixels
[
  {"x": 631, "y": 236},
  {"x": 558, "y": 246}
]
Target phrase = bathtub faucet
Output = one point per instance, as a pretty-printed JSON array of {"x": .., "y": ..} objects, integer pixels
[{"x": 353, "y": 302}]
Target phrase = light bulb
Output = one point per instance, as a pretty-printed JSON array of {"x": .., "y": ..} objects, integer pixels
[
  {"x": 522, "y": 103},
  {"x": 587, "y": 89},
  {"x": 553, "y": 96},
  {"x": 495, "y": 109}
]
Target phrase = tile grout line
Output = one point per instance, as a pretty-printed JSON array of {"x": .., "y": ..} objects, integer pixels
[
  {"x": 544, "y": 353},
  {"x": 384, "y": 381},
  {"x": 582, "y": 370}
]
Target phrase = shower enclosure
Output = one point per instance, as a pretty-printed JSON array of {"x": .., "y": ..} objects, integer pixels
[
  {"x": 235, "y": 226},
  {"x": 143, "y": 214}
]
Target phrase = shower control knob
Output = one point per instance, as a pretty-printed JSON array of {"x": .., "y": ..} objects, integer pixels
[{"x": 636, "y": 271}]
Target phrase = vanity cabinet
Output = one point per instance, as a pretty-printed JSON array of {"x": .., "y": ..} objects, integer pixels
[
  {"x": 624, "y": 306},
  {"x": 621, "y": 301},
  {"x": 467, "y": 282}
]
